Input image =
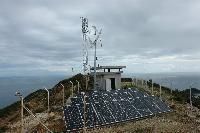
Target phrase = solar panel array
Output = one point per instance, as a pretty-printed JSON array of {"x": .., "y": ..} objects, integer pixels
[{"x": 109, "y": 107}]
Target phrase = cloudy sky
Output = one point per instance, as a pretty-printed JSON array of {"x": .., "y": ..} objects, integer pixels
[{"x": 148, "y": 36}]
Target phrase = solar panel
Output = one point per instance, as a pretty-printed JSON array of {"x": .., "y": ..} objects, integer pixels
[{"x": 109, "y": 107}]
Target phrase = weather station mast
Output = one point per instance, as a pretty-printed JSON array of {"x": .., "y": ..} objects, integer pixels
[{"x": 92, "y": 42}]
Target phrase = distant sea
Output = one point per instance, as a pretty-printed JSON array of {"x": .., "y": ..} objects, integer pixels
[
  {"x": 180, "y": 81},
  {"x": 26, "y": 85}
]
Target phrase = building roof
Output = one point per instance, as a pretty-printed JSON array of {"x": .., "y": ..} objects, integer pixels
[
  {"x": 108, "y": 67},
  {"x": 106, "y": 73}
]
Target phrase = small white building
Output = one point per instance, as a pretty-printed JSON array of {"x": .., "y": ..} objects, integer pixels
[{"x": 108, "y": 77}]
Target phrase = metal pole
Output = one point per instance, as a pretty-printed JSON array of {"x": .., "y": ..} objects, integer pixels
[
  {"x": 84, "y": 113},
  {"x": 95, "y": 65},
  {"x": 22, "y": 111},
  {"x": 171, "y": 87},
  {"x": 191, "y": 96},
  {"x": 146, "y": 86},
  {"x": 171, "y": 91},
  {"x": 78, "y": 85},
  {"x": 86, "y": 83},
  {"x": 132, "y": 82},
  {"x": 63, "y": 94},
  {"x": 160, "y": 91},
  {"x": 22, "y": 114},
  {"x": 136, "y": 82},
  {"x": 47, "y": 99},
  {"x": 142, "y": 83},
  {"x": 152, "y": 88},
  {"x": 72, "y": 88}
]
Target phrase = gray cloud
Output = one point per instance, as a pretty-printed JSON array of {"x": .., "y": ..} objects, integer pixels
[{"x": 147, "y": 36}]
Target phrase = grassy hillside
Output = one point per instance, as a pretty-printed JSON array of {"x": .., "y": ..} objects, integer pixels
[
  {"x": 182, "y": 116},
  {"x": 37, "y": 102}
]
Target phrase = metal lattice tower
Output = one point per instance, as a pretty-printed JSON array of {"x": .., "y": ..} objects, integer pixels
[{"x": 86, "y": 39}]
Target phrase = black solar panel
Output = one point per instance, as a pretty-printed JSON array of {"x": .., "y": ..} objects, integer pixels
[{"x": 109, "y": 107}]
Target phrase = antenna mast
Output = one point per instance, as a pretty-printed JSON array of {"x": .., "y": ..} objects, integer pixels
[
  {"x": 97, "y": 34},
  {"x": 85, "y": 50},
  {"x": 94, "y": 43}
]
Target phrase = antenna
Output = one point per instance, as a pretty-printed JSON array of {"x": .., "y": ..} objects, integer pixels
[
  {"x": 84, "y": 27},
  {"x": 93, "y": 43},
  {"x": 85, "y": 49}
]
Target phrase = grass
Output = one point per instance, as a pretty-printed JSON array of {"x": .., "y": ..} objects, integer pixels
[{"x": 37, "y": 102}]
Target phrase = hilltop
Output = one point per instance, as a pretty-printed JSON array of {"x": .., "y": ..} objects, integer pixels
[
  {"x": 37, "y": 103},
  {"x": 182, "y": 119}
]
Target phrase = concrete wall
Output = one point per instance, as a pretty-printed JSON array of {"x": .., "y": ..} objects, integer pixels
[{"x": 101, "y": 81}]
